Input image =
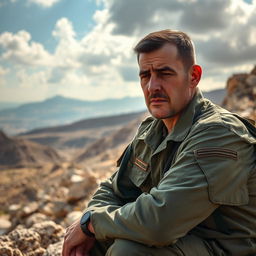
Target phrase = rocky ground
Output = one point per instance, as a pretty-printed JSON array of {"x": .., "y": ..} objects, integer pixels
[{"x": 41, "y": 203}]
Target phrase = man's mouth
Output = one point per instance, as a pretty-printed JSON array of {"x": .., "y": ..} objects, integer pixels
[{"x": 158, "y": 100}]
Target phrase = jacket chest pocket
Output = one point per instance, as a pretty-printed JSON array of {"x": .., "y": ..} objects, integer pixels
[{"x": 139, "y": 172}]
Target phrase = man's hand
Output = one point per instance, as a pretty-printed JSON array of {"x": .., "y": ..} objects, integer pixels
[{"x": 76, "y": 243}]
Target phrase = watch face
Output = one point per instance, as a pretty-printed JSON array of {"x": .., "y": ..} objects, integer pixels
[{"x": 85, "y": 218}]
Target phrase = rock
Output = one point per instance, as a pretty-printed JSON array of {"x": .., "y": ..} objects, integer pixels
[
  {"x": 251, "y": 80},
  {"x": 5, "y": 225},
  {"x": 29, "y": 209},
  {"x": 34, "y": 241},
  {"x": 54, "y": 249},
  {"x": 8, "y": 251},
  {"x": 26, "y": 241},
  {"x": 14, "y": 208},
  {"x": 56, "y": 209},
  {"x": 241, "y": 94},
  {"x": 72, "y": 217},
  {"x": 76, "y": 178},
  {"x": 34, "y": 219},
  {"x": 43, "y": 196},
  {"x": 49, "y": 232},
  {"x": 79, "y": 190},
  {"x": 253, "y": 72}
]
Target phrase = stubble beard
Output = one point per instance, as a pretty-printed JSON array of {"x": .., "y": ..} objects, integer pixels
[{"x": 164, "y": 115}]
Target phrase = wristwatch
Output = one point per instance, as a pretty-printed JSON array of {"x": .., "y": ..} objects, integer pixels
[{"x": 84, "y": 222}]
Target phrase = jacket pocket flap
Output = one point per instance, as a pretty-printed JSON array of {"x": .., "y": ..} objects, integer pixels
[
  {"x": 139, "y": 172},
  {"x": 227, "y": 181}
]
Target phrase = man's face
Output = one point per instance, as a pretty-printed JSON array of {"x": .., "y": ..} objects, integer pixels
[{"x": 165, "y": 82}]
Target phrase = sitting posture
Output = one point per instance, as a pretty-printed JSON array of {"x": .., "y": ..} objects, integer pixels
[{"x": 186, "y": 185}]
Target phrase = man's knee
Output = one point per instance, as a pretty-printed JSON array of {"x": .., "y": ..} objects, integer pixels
[
  {"x": 188, "y": 245},
  {"x": 130, "y": 248},
  {"x": 126, "y": 248}
]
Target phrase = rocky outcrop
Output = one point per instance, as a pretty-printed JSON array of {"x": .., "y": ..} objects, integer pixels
[
  {"x": 241, "y": 94},
  {"x": 19, "y": 152},
  {"x": 41, "y": 239}
]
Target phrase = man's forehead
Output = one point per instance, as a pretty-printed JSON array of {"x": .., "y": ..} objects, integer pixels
[
  {"x": 154, "y": 66},
  {"x": 165, "y": 56}
]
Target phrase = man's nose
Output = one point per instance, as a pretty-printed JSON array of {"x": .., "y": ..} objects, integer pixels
[{"x": 154, "y": 84}]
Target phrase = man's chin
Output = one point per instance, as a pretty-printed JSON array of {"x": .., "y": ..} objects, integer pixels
[
  {"x": 161, "y": 114},
  {"x": 158, "y": 115}
]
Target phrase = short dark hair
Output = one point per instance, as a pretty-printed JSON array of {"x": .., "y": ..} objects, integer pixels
[{"x": 156, "y": 40}]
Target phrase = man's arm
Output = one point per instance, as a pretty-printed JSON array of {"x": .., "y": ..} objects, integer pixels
[
  {"x": 76, "y": 242},
  {"x": 182, "y": 199}
]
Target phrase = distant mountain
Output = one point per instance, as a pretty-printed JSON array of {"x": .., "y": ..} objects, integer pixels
[
  {"x": 60, "y": 110},
  {"x": 8, "y": 105},
  {"x": 87, "y": 124},
  {"x": 16, "y": 152}
]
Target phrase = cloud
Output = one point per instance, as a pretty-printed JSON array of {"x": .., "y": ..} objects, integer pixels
[
  {"x": 138, "y": 17},
  {"x": 68, "y": 48},
  {"x": 18, "y": 49},
  {"x": 129, "y": 73},
  {"x": 44, "y": 3},
  {"x": 64, "y": 30},
  {"x": 134, "y": 17},
  {"x": 206, "y": 15},
  {"x": 102, "y": 63},
  {"x": 3, "y": 71},
  {"x": 31, "y": 80},
  {"x": 235, "y": 46}
]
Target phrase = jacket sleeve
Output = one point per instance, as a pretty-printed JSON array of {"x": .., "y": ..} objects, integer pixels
[{"x": 185, "y": 196}]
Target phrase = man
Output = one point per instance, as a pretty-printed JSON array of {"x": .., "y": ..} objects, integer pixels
[{"x": 186, "y": 185}]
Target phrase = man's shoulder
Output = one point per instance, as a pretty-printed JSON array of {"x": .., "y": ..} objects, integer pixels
[{"x": 221, "y": 119}]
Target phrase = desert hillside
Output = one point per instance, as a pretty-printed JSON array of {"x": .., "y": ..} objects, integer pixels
[
  {"x": 72, "y": 140},
  {"x": 16, "y": 152}
]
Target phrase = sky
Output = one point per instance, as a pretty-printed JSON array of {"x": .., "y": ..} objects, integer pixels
[{"x": 84, "y": 49}]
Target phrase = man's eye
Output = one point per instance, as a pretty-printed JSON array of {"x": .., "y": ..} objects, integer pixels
[
  {"x": 166, "y": 74},
  {"x": 143, "y": 76}
]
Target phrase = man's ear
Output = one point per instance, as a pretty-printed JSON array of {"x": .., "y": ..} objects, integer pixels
[{"x": 196, "y": 72}]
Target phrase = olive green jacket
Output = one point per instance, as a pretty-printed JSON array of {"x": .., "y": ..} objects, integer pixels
[{"x": 200, "y": 179}]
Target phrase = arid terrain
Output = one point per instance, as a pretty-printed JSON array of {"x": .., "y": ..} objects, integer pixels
[{"x": 48, "y": 175}]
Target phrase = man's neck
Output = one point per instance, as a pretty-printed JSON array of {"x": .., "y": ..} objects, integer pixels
[{"x": 171, "y": 122}]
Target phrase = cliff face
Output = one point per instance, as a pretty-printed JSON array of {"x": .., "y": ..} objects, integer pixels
[{"x": 241, "y": 94}]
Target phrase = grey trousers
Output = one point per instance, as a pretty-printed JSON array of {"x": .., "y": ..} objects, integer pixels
[{"x": 189, "y": 245}]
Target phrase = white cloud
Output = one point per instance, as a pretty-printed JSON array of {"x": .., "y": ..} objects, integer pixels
[
  {"x": 19, "y": 50},
  {"x": 30, "y": 80},
  {"x": 3, "y": 71},
  {"x": 68, "y": 48},
  {"x": 44, "y": 3}
]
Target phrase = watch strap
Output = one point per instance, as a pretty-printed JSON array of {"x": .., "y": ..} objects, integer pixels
[{"x": 84, "y": 222}]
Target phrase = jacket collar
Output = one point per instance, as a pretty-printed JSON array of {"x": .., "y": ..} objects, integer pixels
[{"x": 154, "y": 134}]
